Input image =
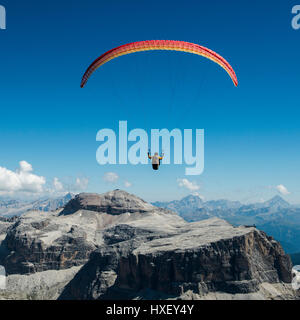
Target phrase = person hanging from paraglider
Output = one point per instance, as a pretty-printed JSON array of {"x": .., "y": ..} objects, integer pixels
[{"x": 156, "y": 159}]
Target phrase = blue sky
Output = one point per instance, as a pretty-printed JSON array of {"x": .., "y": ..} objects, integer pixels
[{"x": 252, "y": 132}]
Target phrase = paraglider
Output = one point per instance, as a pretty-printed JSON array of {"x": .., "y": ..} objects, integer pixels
[
  {"x": 104, "y": 157},
  {"x": 156, "y": 159},
  {"x": 159, "y": 45}
]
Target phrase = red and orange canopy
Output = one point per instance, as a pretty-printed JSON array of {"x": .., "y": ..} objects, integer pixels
[{"x": 159, "y": 45}]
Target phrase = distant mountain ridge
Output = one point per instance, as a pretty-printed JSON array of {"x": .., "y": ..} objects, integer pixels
[
  {"x": 275, "y": 216},
  {"x": 194, "y": 201},
  {"x": 9, "y": 208},
  {"x": 52, "y": 204},
  {"x": 277, "y": 201}
]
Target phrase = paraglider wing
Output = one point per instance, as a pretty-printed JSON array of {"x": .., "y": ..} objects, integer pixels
[{"x": 159, "y": 45}]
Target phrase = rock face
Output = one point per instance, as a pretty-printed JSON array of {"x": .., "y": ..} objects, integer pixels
[
  {"x": 114, "y": 203},
  {"x": 125, "y": 248},
  {"x": 202, "y": 257},
  {"x": 5, "y": 223},
  {"x": 275, "y": 216},
  {"x": 40, "y": 241},
  {"x": 46, "y": 285}
]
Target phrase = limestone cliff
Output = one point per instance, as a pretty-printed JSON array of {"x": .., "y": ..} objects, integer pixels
[{"x": 117, "y": 246}]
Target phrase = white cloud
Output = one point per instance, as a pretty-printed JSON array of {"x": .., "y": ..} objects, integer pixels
[
  {"x": 127, "y": 184},
  {"x": 110, "y": 177},
  {"x": 58, "y": 186},
  {"x": 21, "y": 180},
  {"x": 25, "y": 166},
  {"x": 282, "y": 189},
  {"x": 185, "y": 183},
  {"x": 81, "y": 183}
]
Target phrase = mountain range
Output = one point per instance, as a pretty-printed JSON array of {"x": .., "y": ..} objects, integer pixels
[
  {"x": 117, "y": 246},
  {"x": 275, "y": 216},
  {"x": 11, "y": 207}
]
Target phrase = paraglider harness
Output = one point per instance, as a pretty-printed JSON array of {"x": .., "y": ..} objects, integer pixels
[{"x": 155, "y": 166}]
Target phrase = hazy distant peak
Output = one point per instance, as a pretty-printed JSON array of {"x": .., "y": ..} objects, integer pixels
[{"x": 277, "y": 201}]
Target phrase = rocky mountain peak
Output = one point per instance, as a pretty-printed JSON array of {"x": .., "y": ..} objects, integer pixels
[
  {"x": 114, "y": 202},
  {"x": 277, "y": 201},
  {"x": 192, "y": 199}
]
